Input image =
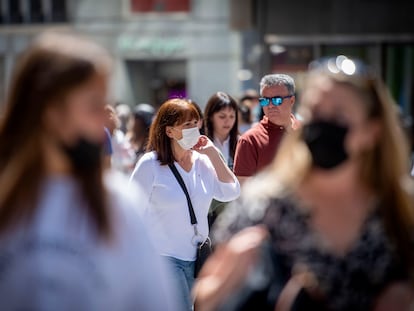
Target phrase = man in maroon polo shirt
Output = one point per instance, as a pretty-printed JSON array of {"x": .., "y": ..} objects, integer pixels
[{"x": 257, "y": 147}]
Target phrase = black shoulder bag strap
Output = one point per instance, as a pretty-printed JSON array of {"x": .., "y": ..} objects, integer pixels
[{"x": 180, "y": 180}]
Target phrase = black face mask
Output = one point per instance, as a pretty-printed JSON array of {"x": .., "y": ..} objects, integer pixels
[
  {"x": 326, "y": 143},
  {"x": 84, "y": 155}
]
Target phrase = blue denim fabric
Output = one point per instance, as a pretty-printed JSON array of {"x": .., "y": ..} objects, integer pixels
[{"x": 182, "y": 273}]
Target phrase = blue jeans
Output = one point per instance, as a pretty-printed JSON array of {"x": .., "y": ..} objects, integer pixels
[{"x": 183, "y": 274}]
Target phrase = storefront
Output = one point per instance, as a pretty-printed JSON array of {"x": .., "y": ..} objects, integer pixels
[
  {"x": 161, "y": 48},
  {"x": 169, "y": 49},
  {"x": 286, "y": 36}
]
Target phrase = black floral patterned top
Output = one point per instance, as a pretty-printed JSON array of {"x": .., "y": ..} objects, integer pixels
[{"x": 351, "y": 282}]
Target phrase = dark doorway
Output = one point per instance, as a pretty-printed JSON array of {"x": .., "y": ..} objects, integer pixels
[{"x": 154, "y": 82}]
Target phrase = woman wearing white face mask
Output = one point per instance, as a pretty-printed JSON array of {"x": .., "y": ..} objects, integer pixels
[{"x": 175, "y": 141}]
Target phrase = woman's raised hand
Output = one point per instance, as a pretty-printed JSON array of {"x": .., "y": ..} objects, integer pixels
[{"x": 204, "y": 145}]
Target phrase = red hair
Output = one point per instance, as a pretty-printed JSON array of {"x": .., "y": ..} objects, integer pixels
[{"x": 172, "y": 113}]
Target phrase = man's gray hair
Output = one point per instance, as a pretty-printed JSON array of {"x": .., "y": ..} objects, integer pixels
[{"x": 278, "y": 79}]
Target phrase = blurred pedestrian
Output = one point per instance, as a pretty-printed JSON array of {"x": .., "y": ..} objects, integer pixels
[
  {"x": 107, "y": 149},
  {"x": 251, "y": 99},
  {"x": 200, "y": 112},
  {"x": 123, "y": 155},
  {"x": 112, "y": 122},
  {"x": 257, "y": 147},
  {"x": 337, "y": 206},
  {"x": 70, "y": 238},
  {"x": 221, "y": 124},
  {"x": 244, "y": 116},
  {"x": 139, "y": 129},
  {"x": 123, "y": 112},
  {"x": 175, "y": 142}
]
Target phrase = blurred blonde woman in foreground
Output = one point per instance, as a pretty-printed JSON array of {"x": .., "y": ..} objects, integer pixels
[
  {"x": 70, "y": 237},
  {"x": 330, "y": 225}
]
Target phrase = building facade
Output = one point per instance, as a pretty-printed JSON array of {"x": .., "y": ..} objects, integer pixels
[
  {"x": 162, "y": 48},
  {"x": 284, "y": 36}
]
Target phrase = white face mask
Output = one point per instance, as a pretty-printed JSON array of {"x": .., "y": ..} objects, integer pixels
[{"x": 190, "y": 138}]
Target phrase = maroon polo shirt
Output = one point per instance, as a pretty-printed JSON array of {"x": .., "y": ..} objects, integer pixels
[{"x": 257, "y": 147}]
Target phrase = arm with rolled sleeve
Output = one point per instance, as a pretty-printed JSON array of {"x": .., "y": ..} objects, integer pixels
[
  {"x": 226, "y": 192},
  {"x": 223, "y": 191}
]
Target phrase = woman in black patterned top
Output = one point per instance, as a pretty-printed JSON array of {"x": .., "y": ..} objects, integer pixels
[{"x": 330, "y": 224}]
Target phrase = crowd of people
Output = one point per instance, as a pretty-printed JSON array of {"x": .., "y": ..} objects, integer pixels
[
  {"x": 106, "y": 207},
  {"x": 223, "y": 121}
]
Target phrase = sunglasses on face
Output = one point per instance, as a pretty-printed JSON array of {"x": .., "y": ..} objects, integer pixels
[{"x": 276, "y": 101}]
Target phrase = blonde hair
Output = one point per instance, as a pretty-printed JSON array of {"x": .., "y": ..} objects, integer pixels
[{"x": 384, "y": 168}]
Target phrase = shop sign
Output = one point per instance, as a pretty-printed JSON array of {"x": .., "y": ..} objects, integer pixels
[{"x": 158, "y": 47}]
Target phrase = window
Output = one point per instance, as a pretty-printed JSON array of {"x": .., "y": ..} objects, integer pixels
[
  {"x": 156, "y": 81},
  {"x": 162, "y": 6},
  {"x": 399, "y": 74},
  {"x": 15, "y": 15},
  {"x": 58, "y": 9},
  {"x": 290, "y": 58},
  {"x": 32, "y": 11},
  {"x": 36, "y": 14}
]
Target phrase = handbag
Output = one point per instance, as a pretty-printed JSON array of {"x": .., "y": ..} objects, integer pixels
[{"x": 203, "y": 247}]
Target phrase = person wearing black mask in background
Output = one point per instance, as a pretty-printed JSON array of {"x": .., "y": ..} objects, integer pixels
[
  {"x": 335, "y": 209},
  {"x": 70, "y": 237}
]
